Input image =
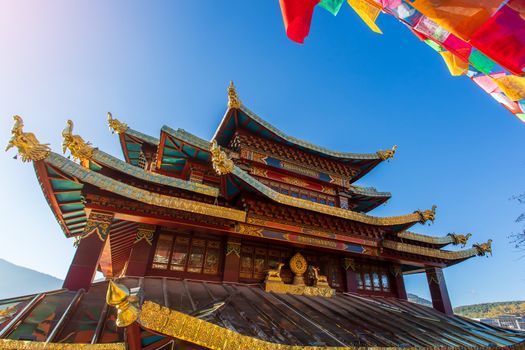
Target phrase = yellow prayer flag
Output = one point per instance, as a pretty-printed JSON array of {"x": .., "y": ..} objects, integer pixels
[
  {"x": 455, "y": 65},
  {"x": 513, "y": 86},
  {"x": 367, "y": 12},
  {"x": 461, "y": 17}
]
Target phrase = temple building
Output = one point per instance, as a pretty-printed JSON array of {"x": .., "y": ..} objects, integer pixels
[{"x": 252, "y": 240}]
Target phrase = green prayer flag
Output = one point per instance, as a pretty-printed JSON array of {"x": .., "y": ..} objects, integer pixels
[
  {"x": 481, "y": 62},
  {"x": 332, "y": 6},
  {"x": 434, "y": 45}
]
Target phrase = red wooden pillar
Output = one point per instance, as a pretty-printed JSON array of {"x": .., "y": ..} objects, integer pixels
[
  {"x": 438, "y": 290},
  {"x": 84, "y": 265},
  {"x": 232, "y": 261},
  {"x": 140, "y": 252},
  {"x": 133, "y": 336},
  {"x": 399, "y": 282},
  {"x": 350, "y": 275}
]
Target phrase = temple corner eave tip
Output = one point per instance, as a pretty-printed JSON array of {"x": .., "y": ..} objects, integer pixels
[
  {"x": 116, "y": 126},
  {"x": 388, "y": 154},
  {"x": 28, "y": 146}
]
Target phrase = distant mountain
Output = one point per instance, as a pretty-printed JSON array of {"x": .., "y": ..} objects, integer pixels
[
  {"x": 491, "y": 310},
  {"x": 17, "y": 281},
  {"x": 418, "y": 300}
]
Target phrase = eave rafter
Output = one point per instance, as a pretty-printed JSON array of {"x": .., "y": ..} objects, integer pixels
[
  {"x": 451, "y": 238},
  {"x": 454, "y": 256}
]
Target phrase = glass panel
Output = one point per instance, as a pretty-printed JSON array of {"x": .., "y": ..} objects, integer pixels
[
  {"x": 259, "y": 263},
  {"x": 360, "y": 284},
  {"x": 211, "y": 264},
  {"x": 179, "y": 257},
  {"x": 384, "y": 282},
  {"x": 43, "y": 318},
  {"x": 196, "y": 256},
  {"x": 246, "y": 262},
  {"x": 377, "y": 286},
  {"x": 368, "y": 281},
  {"x": 273, "y": 258},
  {"x": 162, "y": 251}
]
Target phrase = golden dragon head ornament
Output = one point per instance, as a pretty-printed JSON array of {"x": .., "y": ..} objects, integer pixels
[
  {"x": 222, "y": 164},
  {"x": 384, "y": 155},
  {"x": 29, "y": 148},
  {"x": 427, "y": 215},
  {"x": 116, "y": 125},
  {"x": 79, "y": 148},
  {"x": 459, "y": 239},
  {"x": 484, "y": 248}
]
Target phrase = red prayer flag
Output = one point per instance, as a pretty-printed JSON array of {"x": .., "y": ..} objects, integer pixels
[
  {"x": 297, "y": 16},
  {"x": 502, "y": 37}
]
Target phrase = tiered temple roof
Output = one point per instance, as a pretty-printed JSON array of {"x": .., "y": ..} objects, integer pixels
[{"x": 250, "y": 183}]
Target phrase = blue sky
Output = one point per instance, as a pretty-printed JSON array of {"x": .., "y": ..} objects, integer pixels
[{"x": 346, "y": 89}]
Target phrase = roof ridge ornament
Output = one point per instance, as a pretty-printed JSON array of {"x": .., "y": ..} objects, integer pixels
[
  {"x": 29, "y": 148},
  {"x": 385, "y": 155},
  {"x": 222, "y": 164},
  {"x": 459, "y": 239},
  {"x": 483, "y": 248},
  {"x": 427, "y": 215},
  {"x": 116, "y": 126},
  {"x": 119, "y": 297},
  {"x": 233, "y": 98},
  {"x": 79, "y": 148}
]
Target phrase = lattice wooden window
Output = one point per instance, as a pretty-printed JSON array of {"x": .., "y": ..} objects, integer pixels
[
  {"x": 372, "y": 278},
  {"x": 185, "y": 253},
  {"x": 255, "y": 261}
]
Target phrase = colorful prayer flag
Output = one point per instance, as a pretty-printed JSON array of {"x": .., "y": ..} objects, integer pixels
[
  {"x": 367, "y": 12},
  {"x": 461, "y": 17},
  {"x": 332, "y": 6},
  {"x": 481, "y": 62},
  {"x": 512, "y": 86},
  {"x": 502, "y": 37},
  {"x": 297, "y": 16},
  {"x": 455, "y": 65}
]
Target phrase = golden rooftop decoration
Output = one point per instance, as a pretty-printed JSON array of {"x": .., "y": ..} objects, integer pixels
[
  {"x": 233, "y": 99},
  {"x": 427, "y": 215},
  {"x": 384, "y": 155},
  {"x": 118, "y": 297},
  {"x": 298, "y": 265},
  {"x": 221, "y": 163},
  {"x": 274, "y": 274},
  {"x": 29, "y": 148},
  {"x": 483, "y": 248},
  {"x": 319, "y": 280},
  {"x": 116, "y": 125},
  {"x": 79, "y": 148},
  {"x": 459, "y": 239},
  {"x": 179, "y": 325},
  {"x": 9, "y": 344}
]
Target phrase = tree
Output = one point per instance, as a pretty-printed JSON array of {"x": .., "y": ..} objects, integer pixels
[{"x": 518, "y": 239}]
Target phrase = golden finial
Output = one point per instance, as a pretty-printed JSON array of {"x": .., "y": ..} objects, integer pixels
[
  {"x": 384, "y": 155},
  {"x": 26, "y": 142},
  {"x": 483, "y": 248},
  {"x": 118, "y": 297},
  {"x": 221, "y": 163},
  {"x": 116, "y": 125},
  {"x": 427, "y": 215},
  {"x": 79, "y": 148},
  {"x": 233, "y": 99},
  {"x": 459, "y": 239}
]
